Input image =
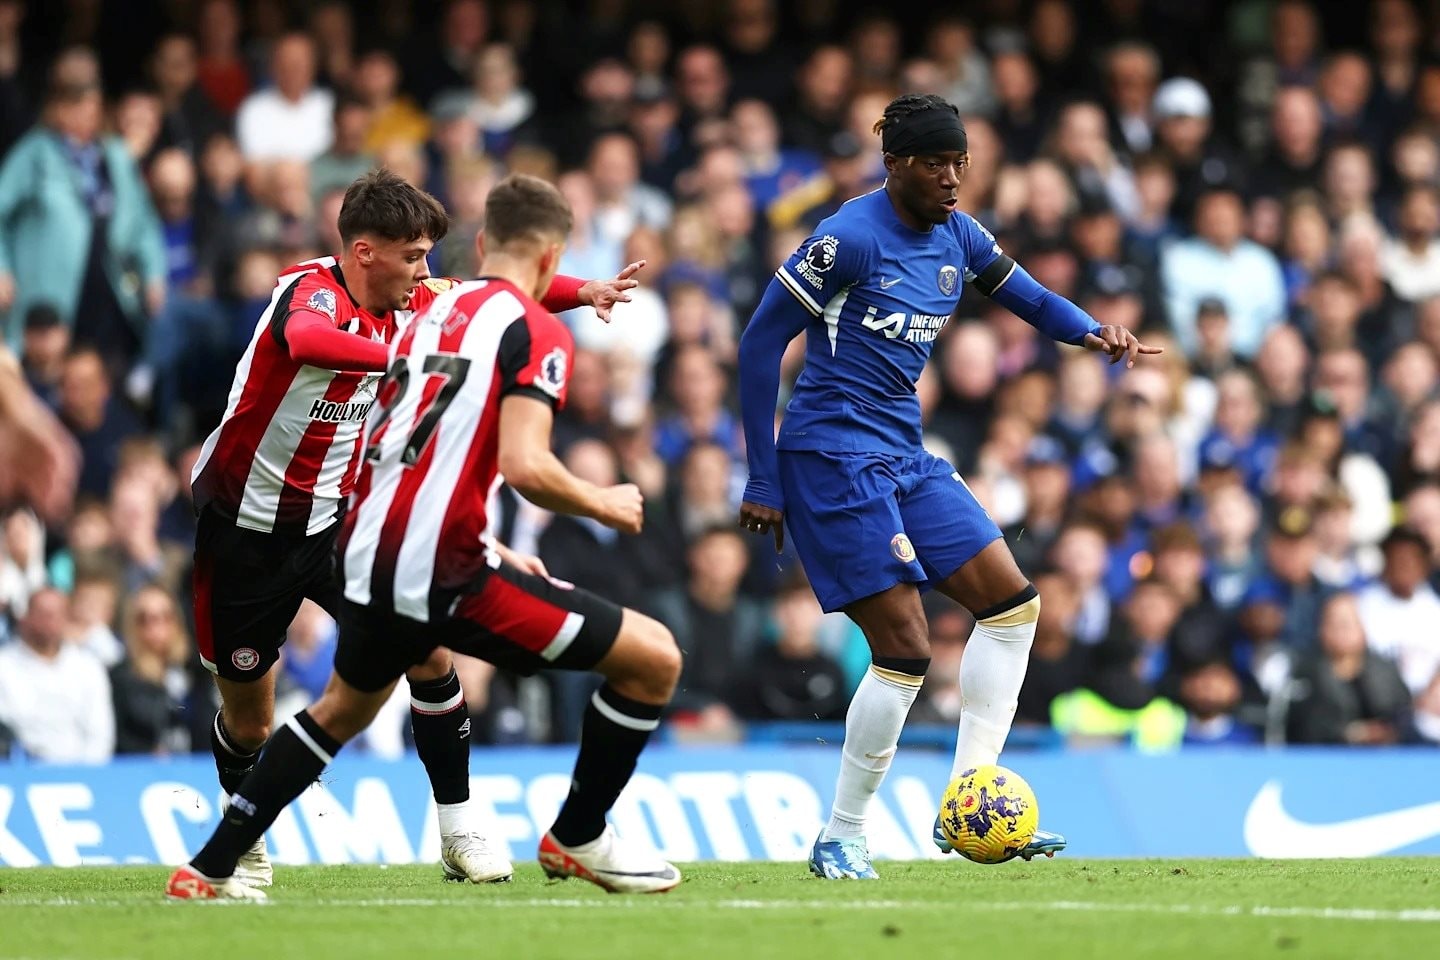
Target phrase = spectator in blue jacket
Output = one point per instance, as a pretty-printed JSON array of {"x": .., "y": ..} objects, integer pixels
[
  {"x": 77, "y": 229},
  {"x": 1220, "y": 262}
]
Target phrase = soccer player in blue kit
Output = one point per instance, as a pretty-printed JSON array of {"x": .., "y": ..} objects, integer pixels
[{"x": 874, "y": 517}]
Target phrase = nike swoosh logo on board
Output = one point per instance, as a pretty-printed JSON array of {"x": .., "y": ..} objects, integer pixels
[{"x": 1270, "y": 831}]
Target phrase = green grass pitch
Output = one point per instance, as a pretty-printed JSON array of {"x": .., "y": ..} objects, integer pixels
[{"x": 1055, "y": 910}]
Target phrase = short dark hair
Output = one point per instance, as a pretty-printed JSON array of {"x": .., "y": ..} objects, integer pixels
[
  {"x": 522, "y": 208},
  {"x": 1403, "y": 536},
  {"x": 1176, "y": 536},
  {"x": 1418, "y": 189},
  {"x": 385, "y": 205},
  {"x": 42, "y": 316},
  {"x": 349, "y": 101}
]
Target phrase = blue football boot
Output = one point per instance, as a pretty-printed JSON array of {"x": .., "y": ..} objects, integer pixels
[
  {"x": 847, "y": 858},
  {"x": 1044, "y": 842}
]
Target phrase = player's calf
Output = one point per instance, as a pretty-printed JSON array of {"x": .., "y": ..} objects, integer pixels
[
  {"x": 441, "y": 724},
  {"x": 641, "y": 670},
  {"x": 644, "y": 662},
  {"x": 235, "y": 756},
  {"x": 991, "y": 675},
  {"x": 240, "y": 729},
  {"x": 296, "y": 755},
  {"x": 242, "y": 726}
]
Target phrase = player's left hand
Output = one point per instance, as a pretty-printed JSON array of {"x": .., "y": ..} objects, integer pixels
[
  {"x": 531, "y": 564},
  {"x": 761, "y": 519},
  {"x": 604, "y": 294},
  {"x": 1119, "y": 343},
  {"x": 523, "y": 562}
]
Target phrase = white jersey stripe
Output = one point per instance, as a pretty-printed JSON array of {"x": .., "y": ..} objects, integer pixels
[
  {"x": 272, "y": 457},
  {"x": 359, "y": 557},
  {"x": 274, "y": 476},
  {"x": 370, "y": 516},
  {"x": 797, "y": 291},
  {"x": 242, "y": 377},
  {"x": 832, "y": 317},
  {"x": 415, "y": 567},
  {"x": 412, "y": 525}
]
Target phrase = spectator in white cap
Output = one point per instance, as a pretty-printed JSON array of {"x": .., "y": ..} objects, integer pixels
[{"x": 1184, "y": 134}]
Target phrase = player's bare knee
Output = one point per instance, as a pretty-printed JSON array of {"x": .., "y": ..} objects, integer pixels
[
  {"x": 666, "y": 659},
  {"x": 907, "y": 639},
  {"x": 437, "y": 666},
  {"x": 660, "y": 660},
  {"x": 645, "y": 661}
]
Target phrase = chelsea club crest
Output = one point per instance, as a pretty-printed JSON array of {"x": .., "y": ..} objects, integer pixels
[{"x": 947, "y": 279}]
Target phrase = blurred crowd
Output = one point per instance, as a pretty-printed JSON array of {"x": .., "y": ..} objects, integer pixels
[{"x": 1237, "y": 541}]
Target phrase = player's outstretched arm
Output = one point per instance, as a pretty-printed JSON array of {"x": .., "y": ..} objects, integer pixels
[
  {"x": 567, "y": 293},
  {"x": 1008, "y": 284},
  {"x": 778, "y": 319},
  {"x": 529, "y": 466},
  {"x": 312, "y": 338}
]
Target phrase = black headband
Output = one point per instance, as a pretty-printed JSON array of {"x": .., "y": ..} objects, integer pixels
[{"x": 932, "y": 131}]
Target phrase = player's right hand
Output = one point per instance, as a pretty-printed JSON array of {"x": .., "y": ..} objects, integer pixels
[
  {"x": 1119, "y": 344},
  {"x": 7, "y": 291},
  {"x": 624, "y": 508},
  {"x": 758, "y": 519}
]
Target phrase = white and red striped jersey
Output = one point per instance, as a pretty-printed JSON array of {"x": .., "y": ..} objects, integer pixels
[
  {"x": 285, "y": 455},
  {"x": 415, "y": 534}
]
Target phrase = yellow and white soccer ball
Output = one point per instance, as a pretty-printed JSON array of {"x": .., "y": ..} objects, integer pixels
[{"x": 989, "y": 814}]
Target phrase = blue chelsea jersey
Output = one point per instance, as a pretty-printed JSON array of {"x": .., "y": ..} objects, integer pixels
[{"x": 880, "y": 293}]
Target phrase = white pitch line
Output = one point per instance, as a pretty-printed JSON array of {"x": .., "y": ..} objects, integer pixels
[{"x": 1356, "y": 914}]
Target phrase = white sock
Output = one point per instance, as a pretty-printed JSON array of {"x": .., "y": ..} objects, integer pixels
[
  {"x": 991, "y": 673},
  {"x": 872, "y": 729},
  {"x": 454, "y": 818}
]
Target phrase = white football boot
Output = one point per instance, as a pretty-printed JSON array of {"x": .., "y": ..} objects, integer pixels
[
  {"x": 253, "y": 868},
  {"x": 609, "y": 862},
  {"x": 469, "y": 856}
]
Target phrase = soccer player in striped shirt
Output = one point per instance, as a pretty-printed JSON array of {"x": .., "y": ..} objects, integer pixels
[
  {"x": 471, "y": 394},
  {"x": 272, "y": 481}
]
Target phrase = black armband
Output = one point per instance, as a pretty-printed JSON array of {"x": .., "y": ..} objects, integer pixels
[{"x": 990, "y": 279}]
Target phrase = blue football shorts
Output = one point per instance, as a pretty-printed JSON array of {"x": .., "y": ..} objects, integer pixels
[{"x": 863, "y": 523}]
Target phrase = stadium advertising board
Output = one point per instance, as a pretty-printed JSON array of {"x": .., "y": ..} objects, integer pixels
[{"x": 750, "y": 804}]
